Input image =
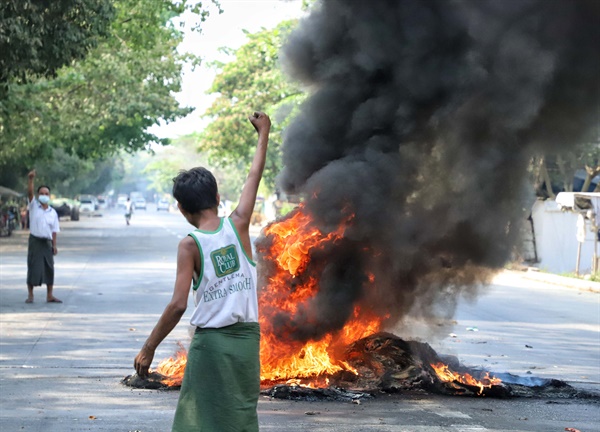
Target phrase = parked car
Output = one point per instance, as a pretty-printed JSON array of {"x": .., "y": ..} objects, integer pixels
[
  {"x": 162, "y": 204},
  {"x": 139, "y": 204}
]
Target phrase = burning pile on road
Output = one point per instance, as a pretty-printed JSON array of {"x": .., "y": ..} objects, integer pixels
[
  {"x": 300, "y": 347},
  {"x": 356, "y": 361},
  {"x": 356, "y": 357},
  {"x": 383, "y": 362},
  {"x": 380, "y": 363}
]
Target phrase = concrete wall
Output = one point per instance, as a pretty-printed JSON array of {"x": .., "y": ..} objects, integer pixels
[{"x": 556, "y": 241}]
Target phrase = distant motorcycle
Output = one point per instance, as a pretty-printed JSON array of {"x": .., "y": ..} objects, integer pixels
[{"x": 8, "y": 222}]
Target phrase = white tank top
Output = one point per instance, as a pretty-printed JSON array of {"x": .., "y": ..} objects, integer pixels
[{"x": 225, "y": 291}]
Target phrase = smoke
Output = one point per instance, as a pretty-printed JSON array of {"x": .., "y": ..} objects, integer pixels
[{"x": 422, "y": 118}]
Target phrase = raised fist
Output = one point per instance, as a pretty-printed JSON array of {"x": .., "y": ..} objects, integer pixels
[{"x": 260, "y": 121}]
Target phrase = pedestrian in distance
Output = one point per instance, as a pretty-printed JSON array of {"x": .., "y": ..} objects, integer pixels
[
  {"x": 43, "y": 230},
  {"x": 128, "y": 210},
  {"x": 221, "y": 383},
  {"x": 24, "y": 218}
]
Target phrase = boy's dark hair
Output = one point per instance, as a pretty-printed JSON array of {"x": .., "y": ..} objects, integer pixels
[
  {"x": 195, "y": 189},
  {"x": 43, "y": 186}
]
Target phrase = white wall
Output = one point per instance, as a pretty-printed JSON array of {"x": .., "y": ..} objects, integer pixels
[{"x": 556, "y": 241}]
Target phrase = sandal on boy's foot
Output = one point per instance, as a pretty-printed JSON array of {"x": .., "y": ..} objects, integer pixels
[
  {"x": 29, "y": 300},
  {"x": 54, "y": 300}
]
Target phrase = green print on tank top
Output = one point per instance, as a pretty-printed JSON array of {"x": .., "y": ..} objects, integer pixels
[{"x": 225, "y": 260}]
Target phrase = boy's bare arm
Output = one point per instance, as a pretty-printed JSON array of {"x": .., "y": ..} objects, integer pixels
[
  {"x": 174, "y": 310},
  {"x": 243, "y": 212}
]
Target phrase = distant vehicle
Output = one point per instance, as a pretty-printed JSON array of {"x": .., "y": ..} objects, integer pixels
[
  {"x": 102, "y": 202},
  {"x": 87, "y": 206},
  {"x": 66, "y": 207},
  {"x": 139, "y": 204},
  {"x": 162, "y": 204},
  {"x": 121, "y": 200},
  {"x": 8, "y": 220}
]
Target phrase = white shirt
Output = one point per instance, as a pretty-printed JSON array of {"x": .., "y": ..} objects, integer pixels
[
  {"x": 42, "y": 223},
  {"x": 225, "y": 293}
]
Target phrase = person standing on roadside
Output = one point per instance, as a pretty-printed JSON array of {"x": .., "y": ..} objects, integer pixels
[
  {"x": 24, "y": 218},
  {"x": 43, "y": 228}
]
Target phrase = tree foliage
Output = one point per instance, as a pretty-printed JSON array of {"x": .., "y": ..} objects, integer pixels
[
  {"x": 104, "y": 103},
  {"x": 70, "y": 175},
  {"x": 168, "y": 161},
  {"x": 251, "y": 81},
  {"x": 182, "y": 154},
  {"x": 37, "y": 37}
]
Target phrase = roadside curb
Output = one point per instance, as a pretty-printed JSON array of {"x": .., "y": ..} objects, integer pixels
[{"x": 558, "y": 280}]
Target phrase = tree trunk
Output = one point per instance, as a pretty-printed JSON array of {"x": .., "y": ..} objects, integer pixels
[
  {"x": 546, "y": 178},
  {"x": 590, "y": 174}
]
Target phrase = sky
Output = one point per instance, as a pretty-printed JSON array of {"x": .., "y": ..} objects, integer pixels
[{"x": 220, "y": 30}]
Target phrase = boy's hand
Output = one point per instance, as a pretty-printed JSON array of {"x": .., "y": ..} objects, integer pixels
[
  {"x": 143, "y": 361},
  {"x": 261, "y": 122},
  {"x": 31, "y": 174}
]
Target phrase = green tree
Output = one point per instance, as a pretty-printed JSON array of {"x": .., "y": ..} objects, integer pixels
[
  {"x": 166, "y": 162},
  {"x": 68, "y": 175},
  {"x": 252, "y": 81},
  {"x": 106, "y": 102},
  {"x": 38, "y": 37},
  {"x": 182, "y": 154}
]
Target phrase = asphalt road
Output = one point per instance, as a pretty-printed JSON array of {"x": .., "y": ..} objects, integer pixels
[{"x": 61, "y": 364}]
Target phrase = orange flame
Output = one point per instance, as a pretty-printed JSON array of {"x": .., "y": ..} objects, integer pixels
[
  {"x": 173, "y": 368},
  {"x": 292, "y": 241},
  {"x": 445, "y": 374}
]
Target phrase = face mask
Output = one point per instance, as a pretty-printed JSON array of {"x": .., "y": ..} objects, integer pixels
[{"x": 44, "y": 199}]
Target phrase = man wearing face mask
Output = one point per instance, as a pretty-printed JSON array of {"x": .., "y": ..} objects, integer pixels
[{"x": 43, "y": 227}]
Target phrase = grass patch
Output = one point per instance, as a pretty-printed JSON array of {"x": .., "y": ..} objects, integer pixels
[{"x": 587, "y": 277}]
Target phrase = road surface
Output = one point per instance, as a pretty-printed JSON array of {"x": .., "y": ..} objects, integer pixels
[{"x": 61, "y": 364}]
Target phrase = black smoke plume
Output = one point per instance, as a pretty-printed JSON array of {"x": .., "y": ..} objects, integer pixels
[{"x": 422, "y": 119}]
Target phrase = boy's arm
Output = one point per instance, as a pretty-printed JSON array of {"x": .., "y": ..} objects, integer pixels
[
  {"x": 30, "y": 177},
  {"x": 242, "y": 215},
  {"x": 174, "y": 310}
]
